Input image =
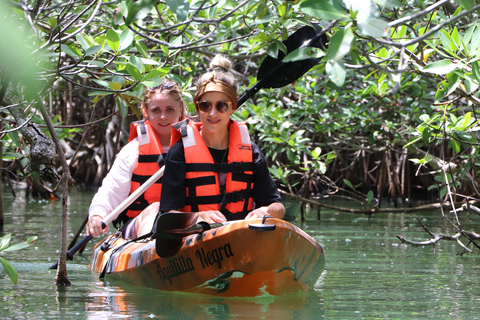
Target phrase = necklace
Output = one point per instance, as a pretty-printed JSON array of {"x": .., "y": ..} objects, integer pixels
[
  {"x": 216, "y": 154},
  {"x": 226, "y": 150}
]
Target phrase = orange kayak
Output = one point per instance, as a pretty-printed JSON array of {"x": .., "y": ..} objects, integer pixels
[{"x": 239, "y": 259}]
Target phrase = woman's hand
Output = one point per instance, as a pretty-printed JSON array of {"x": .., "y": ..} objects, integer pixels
[
  {"x": 94, "y": 226},
  {"x": 257, "y": 213},
  {"x": 276, "y": 210},
  {"x": 211, "y": 216}
]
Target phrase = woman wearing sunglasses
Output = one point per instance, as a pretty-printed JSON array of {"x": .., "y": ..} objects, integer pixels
[
  {"x": 212, "y": 167},
  {"x": 143, "y": 156}
]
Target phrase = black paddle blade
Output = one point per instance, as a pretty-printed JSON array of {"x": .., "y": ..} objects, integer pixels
[
  {"x": 291, "y": 71},
  {"x": 167, "y": 244}
]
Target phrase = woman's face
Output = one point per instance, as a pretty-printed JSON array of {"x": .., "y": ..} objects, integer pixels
[
  {"x": 163, "y": 111},
  {"x": 214, "y": 121}
]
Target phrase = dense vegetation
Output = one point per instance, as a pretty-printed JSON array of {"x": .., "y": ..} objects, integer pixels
[{"x": 389, "y": 112}]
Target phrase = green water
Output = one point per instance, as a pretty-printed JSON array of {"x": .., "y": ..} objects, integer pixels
[{"x": 369, "y": 274}]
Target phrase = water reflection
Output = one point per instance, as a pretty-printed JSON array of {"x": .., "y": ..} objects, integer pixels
[{"x": 113, "y": 299}]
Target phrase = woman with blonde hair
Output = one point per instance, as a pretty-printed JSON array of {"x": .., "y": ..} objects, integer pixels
[
  {"x": 213, "y": 167},
  {"x": 143, "y": 156}
]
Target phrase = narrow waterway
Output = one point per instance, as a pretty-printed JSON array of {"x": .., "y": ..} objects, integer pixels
[{"x": 369, "y": 274}]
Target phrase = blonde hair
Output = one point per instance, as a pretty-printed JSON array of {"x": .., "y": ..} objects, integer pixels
[
  {"x": 168, "y": 87},
  {"x": 220, "y": 70}
]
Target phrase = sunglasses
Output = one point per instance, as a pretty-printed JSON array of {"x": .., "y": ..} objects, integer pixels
[{"x": 206, "y": 106}]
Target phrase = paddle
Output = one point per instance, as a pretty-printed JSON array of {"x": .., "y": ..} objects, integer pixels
[
  {"x": 274, "y": 73},
  {"x": 172, "y": 227},
  {"x": 114, "y": 214}
]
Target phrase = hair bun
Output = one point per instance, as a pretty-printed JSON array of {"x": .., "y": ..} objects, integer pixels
[
  {"x": 218, "y": 68},
  {"x": 220, "y": 63}
]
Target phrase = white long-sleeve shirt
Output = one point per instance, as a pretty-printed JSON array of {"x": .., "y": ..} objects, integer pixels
[{"x": 117, "y": 184}]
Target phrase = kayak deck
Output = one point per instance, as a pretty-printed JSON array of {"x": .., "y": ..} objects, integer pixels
[{"x": 237, "y": 259}]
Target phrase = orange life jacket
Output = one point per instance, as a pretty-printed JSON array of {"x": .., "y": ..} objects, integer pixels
[
  {"x": 201, "y": 179},
  {"x": 149, "y": 151}
]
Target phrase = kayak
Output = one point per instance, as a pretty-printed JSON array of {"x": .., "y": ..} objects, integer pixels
[{"x": 243, "y": 258}]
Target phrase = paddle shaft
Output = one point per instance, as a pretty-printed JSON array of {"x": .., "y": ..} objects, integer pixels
[
  {"x": 114, "y": 214},
  {"x": 195, "y": 229}
]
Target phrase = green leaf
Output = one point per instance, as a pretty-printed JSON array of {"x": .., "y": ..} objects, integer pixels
[
  {"x": 412, "y": 141},
  {"x": 11, "y": 272},
  {"x": 17, "y": 43},
  {"x": 180, "y": 8},
  {"x": 137, "y": 63},
  {"x": 261, "y": 37},
  {"x": 142, "y": 48},
  {"x": 374, "y": 27},
  {"x": 18, "y": 246},
  {"x": 93, "y": 50},
  {"x": 323, "y": 9},
  {"x": 340, "y": 44},
  {"x": 126, "y": 39},
  {"x": 336, "y": 72},
  {"x": 476, "y": 71},
  {"x": 113, "y": 40},
  {"x": 157, "y": 74},
  {"x": 317, "y": 152},
  {"x": 455, "y": 36},
  {"x": 348, "y": 183},
  {"x": 71, "y": 50},
  {"x": 388, "y": 3},
  {"x": 304, "y": 53},
  {"x": 95, "y": 63},
  {"x": 149, "y": 62},
  {"x": 138, "y": 10},
  {"x": 443, "y": 192},
  {"x": 52, "y": 22},
  {"x": 115, "y": 86},
  {"x": 102, "y": 83},
  {"x": 426, "y": 134},
  {"x": 466, "y": 4},
  {"x": 122, "y": 106},
  {"x": 453, "y": 83},
  {"x": 455, "y": 146},
  {"x": 81, "y": 40},
  {"x": 133, "y": 71},
  {"x": 31, "y": 239},
  {"x": 272, "y": 50},
  {"x": 442, "y": 67},
  {"x": 447, "y": 41},
  {"x": 321, "y": 167},
  {"x": 101, "y": 40},
  {"x": 5, "y": 240},
  {"x": 370, "y": 196},
  {"x": 466, "y": 120}
]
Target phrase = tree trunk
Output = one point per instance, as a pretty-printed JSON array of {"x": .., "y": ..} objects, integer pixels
[
  {"x": 42, "y": 152},
  {"x": 61, "y": 277}
]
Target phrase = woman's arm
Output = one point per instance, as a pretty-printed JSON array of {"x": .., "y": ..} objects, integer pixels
[
  {"x": 115, "y": 188},
  {"x": 265, "y": 193}
]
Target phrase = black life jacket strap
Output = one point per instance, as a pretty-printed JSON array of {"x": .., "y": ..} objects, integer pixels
[
  {"x": 148, "y": 158},
  {"x": 219, "y": 167}
]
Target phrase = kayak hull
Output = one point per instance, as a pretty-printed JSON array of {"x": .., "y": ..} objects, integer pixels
[{"x": 239, "y": 259}]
